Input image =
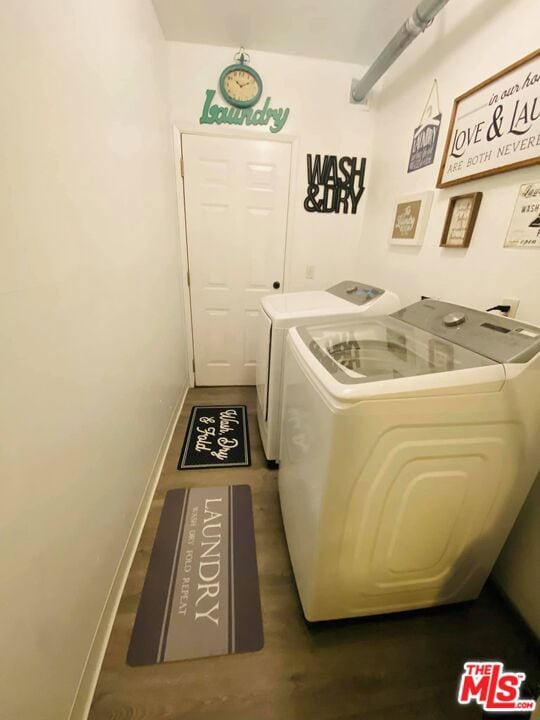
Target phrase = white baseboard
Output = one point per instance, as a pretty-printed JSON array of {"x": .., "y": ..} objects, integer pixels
[{"x": 90, "y": 674}]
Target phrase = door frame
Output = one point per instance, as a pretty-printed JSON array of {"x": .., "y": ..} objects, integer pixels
[{"x": 292, "y": 140}]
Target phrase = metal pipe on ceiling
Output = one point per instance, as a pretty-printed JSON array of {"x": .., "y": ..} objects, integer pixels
[{"x": 421, "y": 19}]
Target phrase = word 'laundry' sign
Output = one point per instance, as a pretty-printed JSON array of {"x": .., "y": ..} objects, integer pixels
[
  {"x": 424, "y": 144},
  {"x": 275, "y": 118},
  {"x": 334, "y": 185},
  {"x": 425, "y": 136}
]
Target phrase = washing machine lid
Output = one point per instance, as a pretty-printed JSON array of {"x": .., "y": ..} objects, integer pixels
[
  {"x": 346, "y": 297},
  {"x": 384, "y": 356}
]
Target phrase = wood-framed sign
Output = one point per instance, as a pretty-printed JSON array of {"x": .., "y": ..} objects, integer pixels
[
  {"x": 495, "y": 126},
  {"x": 460, "y": 219},
  {"x": 410, "y": 218}
]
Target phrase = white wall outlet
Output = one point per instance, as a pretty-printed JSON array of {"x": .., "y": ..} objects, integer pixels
[
  {"x": 514, "y": 304},
  {"x": 310, "y": 272}
]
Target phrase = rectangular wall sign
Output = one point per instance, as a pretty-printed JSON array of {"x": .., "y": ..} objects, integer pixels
[
  {"x": 426, "y": 135},
  {"x": 424, "y": 144},
  {"x": 524, "y": 230},
  {"x": 410, "y": 219},
  {"x": 495, "y": 126}
]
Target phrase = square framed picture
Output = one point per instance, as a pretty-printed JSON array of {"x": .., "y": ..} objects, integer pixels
[
  {"x": 410, "y": 218},
  {"x": 460, "y": 219}
]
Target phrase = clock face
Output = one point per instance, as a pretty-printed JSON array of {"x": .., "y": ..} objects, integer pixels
[{"x": 241, "y": 86}]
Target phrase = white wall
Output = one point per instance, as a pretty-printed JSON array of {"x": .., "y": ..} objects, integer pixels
[
  {"x": 92, "y": 352},
  {"x": 467, "y": 43},
  {"x": 321, "y": 120}
]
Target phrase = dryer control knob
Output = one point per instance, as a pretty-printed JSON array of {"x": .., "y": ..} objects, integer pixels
[{"x": 453, "y": 319}]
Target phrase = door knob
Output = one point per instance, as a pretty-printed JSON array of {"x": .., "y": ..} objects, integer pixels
[{"x": 276, "y": 285}]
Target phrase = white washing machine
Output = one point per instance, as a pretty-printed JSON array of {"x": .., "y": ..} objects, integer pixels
[
  {"x": 409, "y": 444},
  {"x": 281, "y": 312}
]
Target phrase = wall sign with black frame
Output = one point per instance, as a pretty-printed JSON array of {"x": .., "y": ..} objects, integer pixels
[
  {"x": 426, "y": 135},
  {"x": 334, "y": 185}
]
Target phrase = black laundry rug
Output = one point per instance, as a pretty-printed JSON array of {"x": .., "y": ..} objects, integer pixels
[
  {"x": 201, "y": 593},
  {"x": 217, "y": 436}
]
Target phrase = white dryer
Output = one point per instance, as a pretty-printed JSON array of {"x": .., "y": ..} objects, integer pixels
[
  {"x": 281, "y": 312},
  {"x": 409, "y": 444}
]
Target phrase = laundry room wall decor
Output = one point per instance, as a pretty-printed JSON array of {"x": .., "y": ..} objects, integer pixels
[
  {"x": 426, "y": 135},
  {"x": 410, "y": 219},
  {"x": 241, "y": 87},
  {"x": 212, "y": 114},
  {"x": 524, "y": 230},
  {"x": 334, "y": 185},
  {"x": 460, "y": 220},
  {"x": 495, "y": 126}
]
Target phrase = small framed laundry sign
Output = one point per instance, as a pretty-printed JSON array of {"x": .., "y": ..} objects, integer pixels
[
  {"x": 426, "y": 135},
  {"x": 410, "y": 219},
  {"x": 524, "y": 230}
]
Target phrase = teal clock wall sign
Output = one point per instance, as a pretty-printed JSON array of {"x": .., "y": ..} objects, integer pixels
[
  {"x": 241, "y": 87},
  {"x": 240, "y": 84}
]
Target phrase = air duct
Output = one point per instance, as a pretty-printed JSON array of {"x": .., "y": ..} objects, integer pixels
[{"x": 421, "y": 19}]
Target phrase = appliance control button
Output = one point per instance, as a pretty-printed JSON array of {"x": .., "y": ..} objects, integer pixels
[{"x": 453, "y": 319}]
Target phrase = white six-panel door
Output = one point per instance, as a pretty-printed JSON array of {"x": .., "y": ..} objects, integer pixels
[{"x": 236, "y": 196}]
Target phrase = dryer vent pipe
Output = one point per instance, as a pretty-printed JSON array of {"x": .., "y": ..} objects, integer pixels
[{"x": 421, "y": 19}]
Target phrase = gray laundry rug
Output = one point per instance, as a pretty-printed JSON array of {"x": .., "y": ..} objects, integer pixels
[{"x": 201, "y": 592}]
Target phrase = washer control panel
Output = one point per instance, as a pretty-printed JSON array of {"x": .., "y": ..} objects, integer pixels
[
  {"x": 355, "y": 292},
  {"x": 499, "y": 338}
]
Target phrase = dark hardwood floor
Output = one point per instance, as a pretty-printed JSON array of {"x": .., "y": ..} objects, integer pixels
[{"x": 387, "y": 667}]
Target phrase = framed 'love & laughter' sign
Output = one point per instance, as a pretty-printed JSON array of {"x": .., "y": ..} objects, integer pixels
[{"x": 495, "y": 126}]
